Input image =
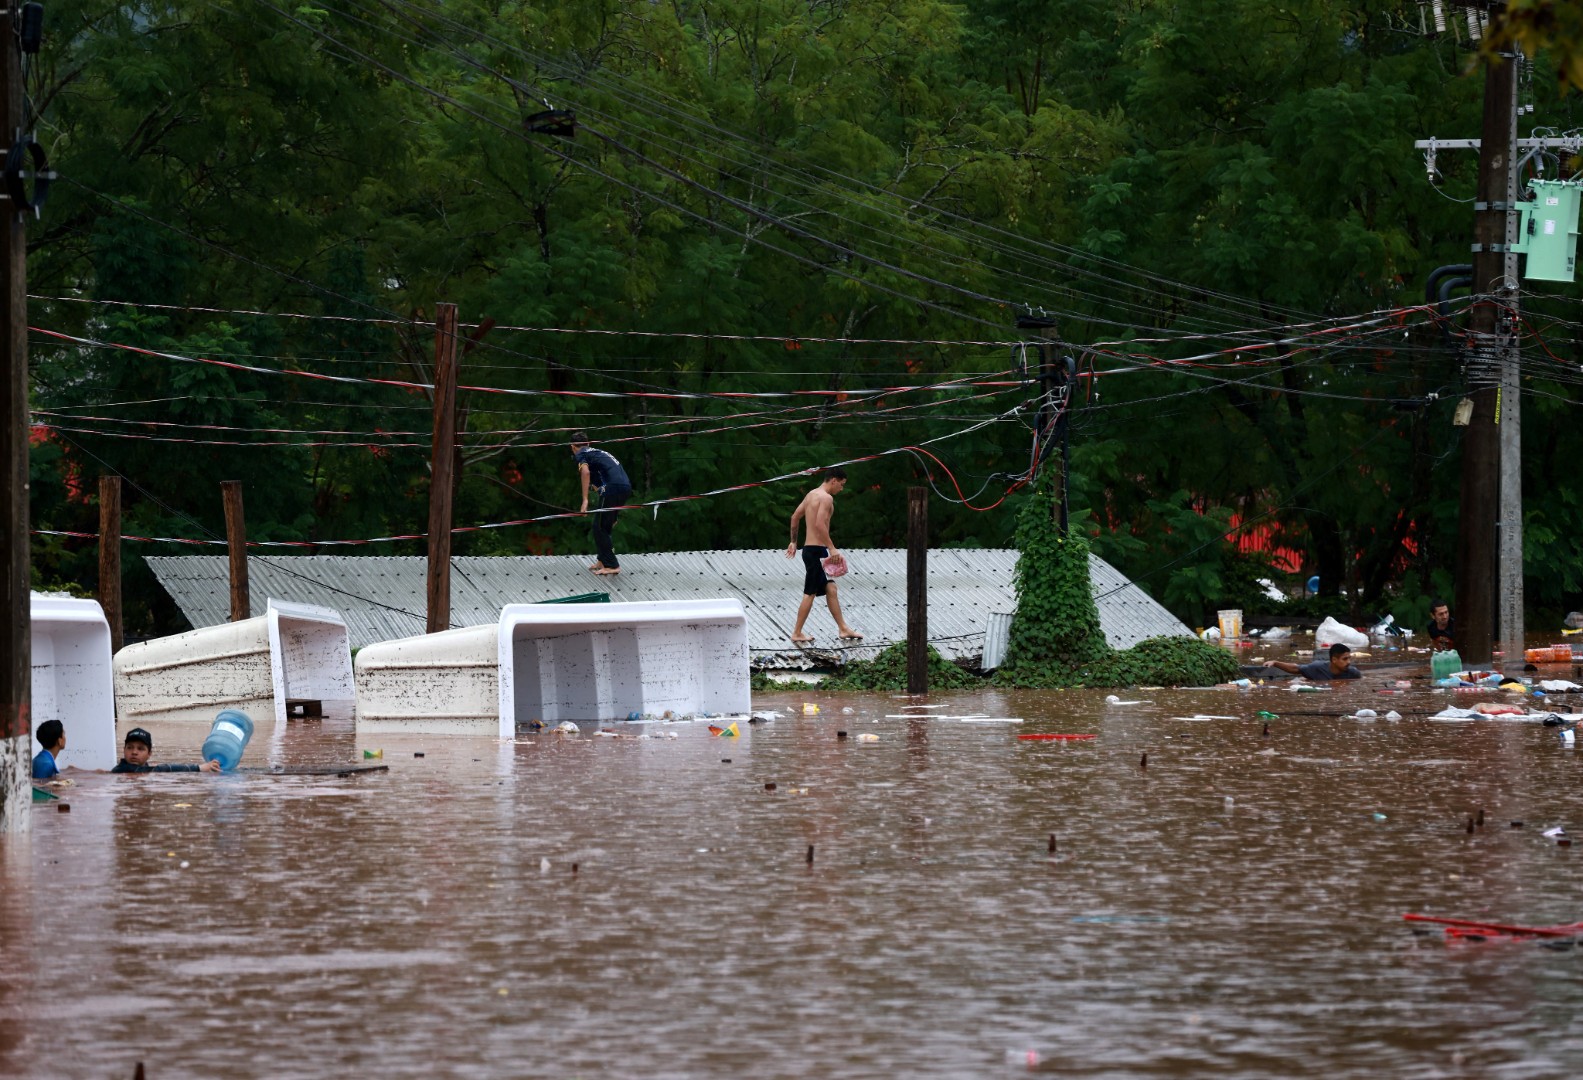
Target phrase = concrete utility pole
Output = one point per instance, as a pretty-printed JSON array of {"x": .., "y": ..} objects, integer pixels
[
  {"x": 442, "y": 467},
  {"x": 16, "y": 647}
]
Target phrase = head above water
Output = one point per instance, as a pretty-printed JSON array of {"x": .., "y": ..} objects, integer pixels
[
  {"x": 138, "y": 746},
  {"x": 1340, "y": 657},
  {"x": 51, "y": 735},
  {"x": 1440, "y": 612}
]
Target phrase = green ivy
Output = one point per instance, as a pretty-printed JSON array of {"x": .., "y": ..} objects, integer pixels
[
  {"x": 888, "y": 671},
  {"x": 1056, "y": 640}
]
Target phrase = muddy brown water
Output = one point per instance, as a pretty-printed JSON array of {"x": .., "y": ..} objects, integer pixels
[{"x": 585, "y": 906}]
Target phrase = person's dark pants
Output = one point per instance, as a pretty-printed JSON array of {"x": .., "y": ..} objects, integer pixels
[{"x": 605, "y": 523}]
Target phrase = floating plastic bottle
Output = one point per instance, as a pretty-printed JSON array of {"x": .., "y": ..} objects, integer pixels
[
  {"x": 228, "y": 738},
  {"x": 1444, "y": 663}
]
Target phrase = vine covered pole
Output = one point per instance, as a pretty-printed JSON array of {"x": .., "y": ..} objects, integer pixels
[
  {"x": 236, "y": 546},
  {"x": 917, "y": 590},
  {"x": 110, "y": 557},
  {"x": 16, "y": 646},
  {"x": 442, "y": 467}
]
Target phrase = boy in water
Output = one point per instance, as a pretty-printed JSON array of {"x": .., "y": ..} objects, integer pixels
[
  {"x": 135, "y": 753},
  {"x": 51, "y": 736}
]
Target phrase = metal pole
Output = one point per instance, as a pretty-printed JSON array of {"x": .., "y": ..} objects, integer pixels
[
  {"x": 917, "y": 590},
  {"x": 442, "y": 460},
  {"x": 16, "y": 645},
  {"x": 110, "y": 557}
]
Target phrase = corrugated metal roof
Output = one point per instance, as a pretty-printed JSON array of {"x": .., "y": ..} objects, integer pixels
[{"x": 382, "y": 598}]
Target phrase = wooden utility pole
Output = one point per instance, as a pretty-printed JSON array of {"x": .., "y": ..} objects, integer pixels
[
  {"x": 16, "y": 646},
  {"x": 917, "y": 590},
  {"x": 236, "y": 545},
  {"x": 1489, "y": 360},
  {"x": 110, "y": 557},
  {"x": 442, "y": 459}
]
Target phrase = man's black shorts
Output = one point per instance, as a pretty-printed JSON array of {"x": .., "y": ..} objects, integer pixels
[{"x": 814, "y": 581}]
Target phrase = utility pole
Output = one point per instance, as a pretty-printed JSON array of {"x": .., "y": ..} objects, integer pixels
[
  {"x": 1054, "y": 388},
  {"x": 236, "y": 548},
  {"x": 16, "y": 646},
  {"x": 1489, "y": 541},
  {"x": 110, "y": 557},
  {"x": 917, "y": 590},
  {"x": 442, "y": 467}
]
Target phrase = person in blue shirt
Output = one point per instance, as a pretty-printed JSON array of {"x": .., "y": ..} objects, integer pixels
[
  {"x": 51, "y": 735},
  {"x": 1339, "y": 666},
  {"x": 599, "y": 469}
]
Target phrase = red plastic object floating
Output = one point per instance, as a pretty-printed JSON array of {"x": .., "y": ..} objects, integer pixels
[
  {"x": 1464, "y": 927},
  {"x": 1046, "y": 737}
]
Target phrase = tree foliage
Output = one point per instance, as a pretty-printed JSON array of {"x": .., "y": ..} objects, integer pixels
[{"x": 268, "y": 200}]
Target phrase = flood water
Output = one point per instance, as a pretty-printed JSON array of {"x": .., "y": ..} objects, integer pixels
[{"x": 600, "y": 907}]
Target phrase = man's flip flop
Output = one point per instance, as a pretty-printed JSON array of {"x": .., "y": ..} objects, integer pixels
[{"x": 851, "y": 637}]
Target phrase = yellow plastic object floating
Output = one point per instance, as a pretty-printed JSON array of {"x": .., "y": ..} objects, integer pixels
[
  {"x": 729, "y": 732},
  {"x": 868, "y": 737},
  {"x": 373, "y": 753},
  {"x": 809, "y": 709}
]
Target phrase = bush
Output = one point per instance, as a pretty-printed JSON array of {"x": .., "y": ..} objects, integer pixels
[{"x": 888, "y": 671}]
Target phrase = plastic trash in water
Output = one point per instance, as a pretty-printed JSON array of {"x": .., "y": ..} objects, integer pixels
[
  {"x": 1551, "y": 834},
  {"x": 1377, "y": 816},
  {"x": 566, "y": 727},
  {"x": 1365, "y": 714},
  {"x": 373, "y": 753},
  {"x": 228, "y": 738},
  {"x": 810, "y": 709},
  {"x": 868, "y": 736},
  {"x": 1393, "y": 715},
  {"x": 729, "y": 731},
  {"x": 1568, "y": 738}
]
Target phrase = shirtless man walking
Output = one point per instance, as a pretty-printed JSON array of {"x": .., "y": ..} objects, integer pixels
[{"x": 815, "y": 510}]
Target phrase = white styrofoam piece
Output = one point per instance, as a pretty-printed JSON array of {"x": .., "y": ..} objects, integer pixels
[
  {"x": 291, "y": 652},
  {"x": 71, "y": 679}
]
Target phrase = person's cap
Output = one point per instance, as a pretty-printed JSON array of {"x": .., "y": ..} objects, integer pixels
[
  {"x": 137, "y": 734},
  {"x": 580, "y": 437}
]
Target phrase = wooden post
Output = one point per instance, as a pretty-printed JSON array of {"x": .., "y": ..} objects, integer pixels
[
  {"x": 236, "y": 543},
  {"x": 917, "y": 590},
  {"x": 442, "y": 460},
  {"x": 1479, "y": 510},
  {"x": 16, "y": 605},
  {"x": 110, "y": 557}
]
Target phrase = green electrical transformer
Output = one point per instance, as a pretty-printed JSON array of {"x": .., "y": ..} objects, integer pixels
[{"x": 1548, "y": 229}]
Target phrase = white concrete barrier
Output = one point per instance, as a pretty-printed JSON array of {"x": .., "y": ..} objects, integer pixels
[
  {"x": 72, "y": 681},
  {"x": 293, "y": 660}
]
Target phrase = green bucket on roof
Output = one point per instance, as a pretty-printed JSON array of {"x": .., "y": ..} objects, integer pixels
[{"x": 580, "y": 598}]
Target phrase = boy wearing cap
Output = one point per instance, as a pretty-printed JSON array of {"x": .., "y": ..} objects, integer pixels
[
  {"x": 139, "y": 745},
  {"x": 600, "y": 470}
]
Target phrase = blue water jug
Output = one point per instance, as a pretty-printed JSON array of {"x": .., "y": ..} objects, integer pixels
[{"x": 228, "y": 738}]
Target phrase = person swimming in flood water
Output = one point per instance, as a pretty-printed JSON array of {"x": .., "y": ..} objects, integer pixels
[{"x": 1339, "y": 666}]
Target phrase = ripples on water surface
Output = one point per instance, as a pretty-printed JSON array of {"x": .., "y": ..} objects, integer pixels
[{"x": 407, "y": 923}]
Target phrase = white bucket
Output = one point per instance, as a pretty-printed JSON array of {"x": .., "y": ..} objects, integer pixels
[{"x": 1231, "y": 623}]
